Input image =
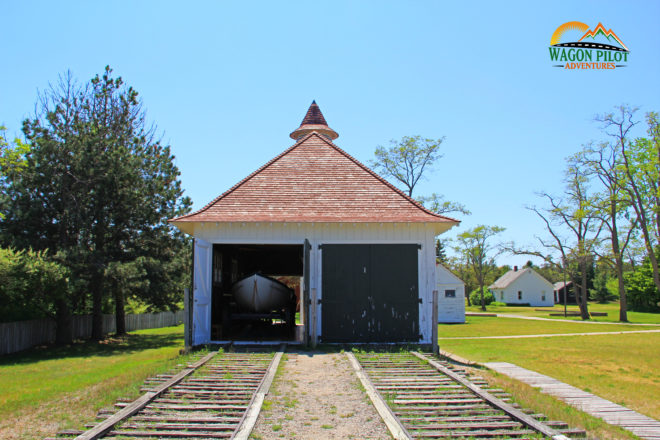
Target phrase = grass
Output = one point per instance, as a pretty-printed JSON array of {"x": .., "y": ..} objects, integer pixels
[
  {"x": 611, "y": 308},
  {"x": 46, "y": 389},
  {"x": 489, "y": 326},
  {"x": 619, "y": 367},
  {"x": 554, "y": 409}
]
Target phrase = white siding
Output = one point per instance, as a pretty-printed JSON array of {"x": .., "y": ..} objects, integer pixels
[
  {"x": 337, "y": 233},
  {"x": 450, "y": 309},
  {"x": 533, "y": 288}
]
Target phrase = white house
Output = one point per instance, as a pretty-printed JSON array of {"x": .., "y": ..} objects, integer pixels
[
  {"x": 365, "y": 250},
  {"x": 451, "y": 295},
  {"x": 524, "y": 286}
]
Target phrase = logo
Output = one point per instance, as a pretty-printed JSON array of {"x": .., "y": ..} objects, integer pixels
[{"x": 597, "y": 49}]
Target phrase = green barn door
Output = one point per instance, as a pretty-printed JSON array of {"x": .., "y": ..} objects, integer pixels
[{"x": 370, "y": 293}]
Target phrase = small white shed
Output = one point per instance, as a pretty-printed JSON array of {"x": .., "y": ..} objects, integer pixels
[
  {"x": 451, "y": 295},
  {"x": 524, "y": 286}
]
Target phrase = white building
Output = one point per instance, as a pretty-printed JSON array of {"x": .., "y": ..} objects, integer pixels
[
  {"x": 364, "y": 250},
  {"x": 523, "y": 286},
  {"x": 451, "y": 295}
]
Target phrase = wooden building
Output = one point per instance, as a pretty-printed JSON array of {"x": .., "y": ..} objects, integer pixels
[
  {"x": 364, "y": 251},
  {"x": 451, "y": 296},
  {"x": 524, "y": 286}
]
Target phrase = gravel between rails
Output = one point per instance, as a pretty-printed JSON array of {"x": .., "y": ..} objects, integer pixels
[{"x": 318, "y": 396}]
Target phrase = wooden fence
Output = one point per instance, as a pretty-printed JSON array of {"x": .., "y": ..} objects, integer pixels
[{"x": 21, "y": 335}]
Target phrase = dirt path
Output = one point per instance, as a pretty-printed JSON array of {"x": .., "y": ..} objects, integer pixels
[{"x": 317, "y": 396}]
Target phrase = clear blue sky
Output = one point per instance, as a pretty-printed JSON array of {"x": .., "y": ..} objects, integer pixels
[{"x": 228, "y": 81}]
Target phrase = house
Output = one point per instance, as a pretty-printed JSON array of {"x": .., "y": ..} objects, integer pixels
[
  {"x": 451, "y": 295},
  {"x": 364, "y": 250},
  {"x": 560, "y": 289},
  {"x": 524, "y": 286}
]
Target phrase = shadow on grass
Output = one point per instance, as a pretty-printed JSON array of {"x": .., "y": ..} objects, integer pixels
[{"x": 110, "y": 346}]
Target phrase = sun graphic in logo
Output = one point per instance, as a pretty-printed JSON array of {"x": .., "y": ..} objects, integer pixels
[{"x": 569, "y": 26}]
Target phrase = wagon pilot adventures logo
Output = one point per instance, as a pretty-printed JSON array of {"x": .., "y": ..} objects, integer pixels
[{"x": 597, "y": 49}]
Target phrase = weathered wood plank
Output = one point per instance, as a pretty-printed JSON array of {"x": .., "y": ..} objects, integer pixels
[
  {"x": 391, "y": 420},
  {"x": 109, "y": 423},
  {"x": 612, "y": 413},
  {"x": 499, "y": 403},
  {"x": 249, "y": 419}
]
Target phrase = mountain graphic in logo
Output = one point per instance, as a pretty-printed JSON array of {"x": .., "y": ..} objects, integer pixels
[{"x": 598, "y": 36}]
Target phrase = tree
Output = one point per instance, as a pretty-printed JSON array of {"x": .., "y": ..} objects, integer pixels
[
  {"x": 611, "y": 206},
  {"x": 478, "y": 253},
  {"x": 12, "y": 162},
  {"x": 406, "y": 160},
  {"x": 98, "y": 187},
  {"x": 437, "y": 203},
  {"x": 640, "y": 168},
  {"x": 575, "y": 213},
  {"x": 33, "y": 285}
]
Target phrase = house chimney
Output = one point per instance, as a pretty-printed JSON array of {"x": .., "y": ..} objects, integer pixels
[{"x": 515, "y": 268}]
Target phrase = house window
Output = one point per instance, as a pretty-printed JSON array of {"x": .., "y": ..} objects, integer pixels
[
  {"x": 450, "y": 293},
  {"x": 542, "y": 297},
  {"x": 519, "y": 294},
  {"x": 502, "y": 296}
]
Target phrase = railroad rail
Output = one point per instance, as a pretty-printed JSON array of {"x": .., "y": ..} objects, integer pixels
[
  {"x": 422, "y": 398},
  {"x": 218, "y": 396}
]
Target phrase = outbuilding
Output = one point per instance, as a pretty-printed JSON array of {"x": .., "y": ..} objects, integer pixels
[
  {"x": 451, "y": 296},
  {"x": 362, "y": 251},
  {"x": 523, "y": 287}
]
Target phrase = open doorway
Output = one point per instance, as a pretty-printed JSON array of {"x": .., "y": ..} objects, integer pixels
[{"x": 256, "y": 291}]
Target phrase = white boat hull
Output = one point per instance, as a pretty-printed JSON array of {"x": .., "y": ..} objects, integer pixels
[{"x": 260, "y": 294}]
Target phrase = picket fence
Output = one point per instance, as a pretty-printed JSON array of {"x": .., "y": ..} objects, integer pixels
[{"x": 21, "y": 335}]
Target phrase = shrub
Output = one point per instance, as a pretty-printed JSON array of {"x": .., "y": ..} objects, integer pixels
[
  {"x": 643, "y": 296},
  {"x": 475, "y": 297},
  {"x": 497, "y": 304}
]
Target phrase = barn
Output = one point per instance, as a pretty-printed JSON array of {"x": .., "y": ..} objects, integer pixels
[{"x": 360, "y": 252}]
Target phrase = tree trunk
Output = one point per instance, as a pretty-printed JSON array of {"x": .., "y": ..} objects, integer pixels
[
  {"x": 120, "y": 315},
  {"x": 97, "y": 305},
  {"x": 483, "y": 301},
  {"x": 63, "y": 327},
  {"x": 584, "y": 310}
]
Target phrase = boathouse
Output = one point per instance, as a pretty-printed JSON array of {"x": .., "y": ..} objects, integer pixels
[{"x": 360, "y": 251}]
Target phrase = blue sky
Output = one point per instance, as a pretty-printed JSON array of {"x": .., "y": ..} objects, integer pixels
[{"x": 227, "y": 82}]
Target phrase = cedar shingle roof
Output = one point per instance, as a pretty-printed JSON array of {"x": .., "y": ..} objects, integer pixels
[
  {"x": 313, "y": 121},
  {"x": 314, "y": 181},
  {"x": 314, "y": 115}
]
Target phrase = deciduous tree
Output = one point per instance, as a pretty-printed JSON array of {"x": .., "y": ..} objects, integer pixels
[{"x": 478, "y": 252}]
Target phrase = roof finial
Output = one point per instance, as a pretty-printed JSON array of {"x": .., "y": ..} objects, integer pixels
[{"x": 314, "y": 121}]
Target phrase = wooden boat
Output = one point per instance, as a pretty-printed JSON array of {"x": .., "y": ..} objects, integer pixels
[{"x": 261, "y": 294}]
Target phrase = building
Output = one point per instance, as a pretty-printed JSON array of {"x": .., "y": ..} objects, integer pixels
[
  {"x": 560, "y": 290},
  {"x": 451, "y": 296},
  {"x": 523, "y": 286},
  {"x": 364, "y": 250}
]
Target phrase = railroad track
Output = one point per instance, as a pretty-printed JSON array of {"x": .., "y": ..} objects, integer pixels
[
  {"x": 423, "y": 398},
  {"x": 218, "y": 396}
]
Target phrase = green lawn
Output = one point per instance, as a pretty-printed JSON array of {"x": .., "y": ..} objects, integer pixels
[
  {"x": 43, "y": 390},
  {"x": 491, "y": 326},
  {"x": 612, "y": 310},
  {"x": 621, "y": 368}
]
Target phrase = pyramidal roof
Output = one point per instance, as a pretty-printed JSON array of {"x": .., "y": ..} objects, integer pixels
[{"x": 314, "y": 181}]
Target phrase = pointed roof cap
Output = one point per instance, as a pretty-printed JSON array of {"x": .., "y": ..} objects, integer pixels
[{"x": 314, "y": 121}]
